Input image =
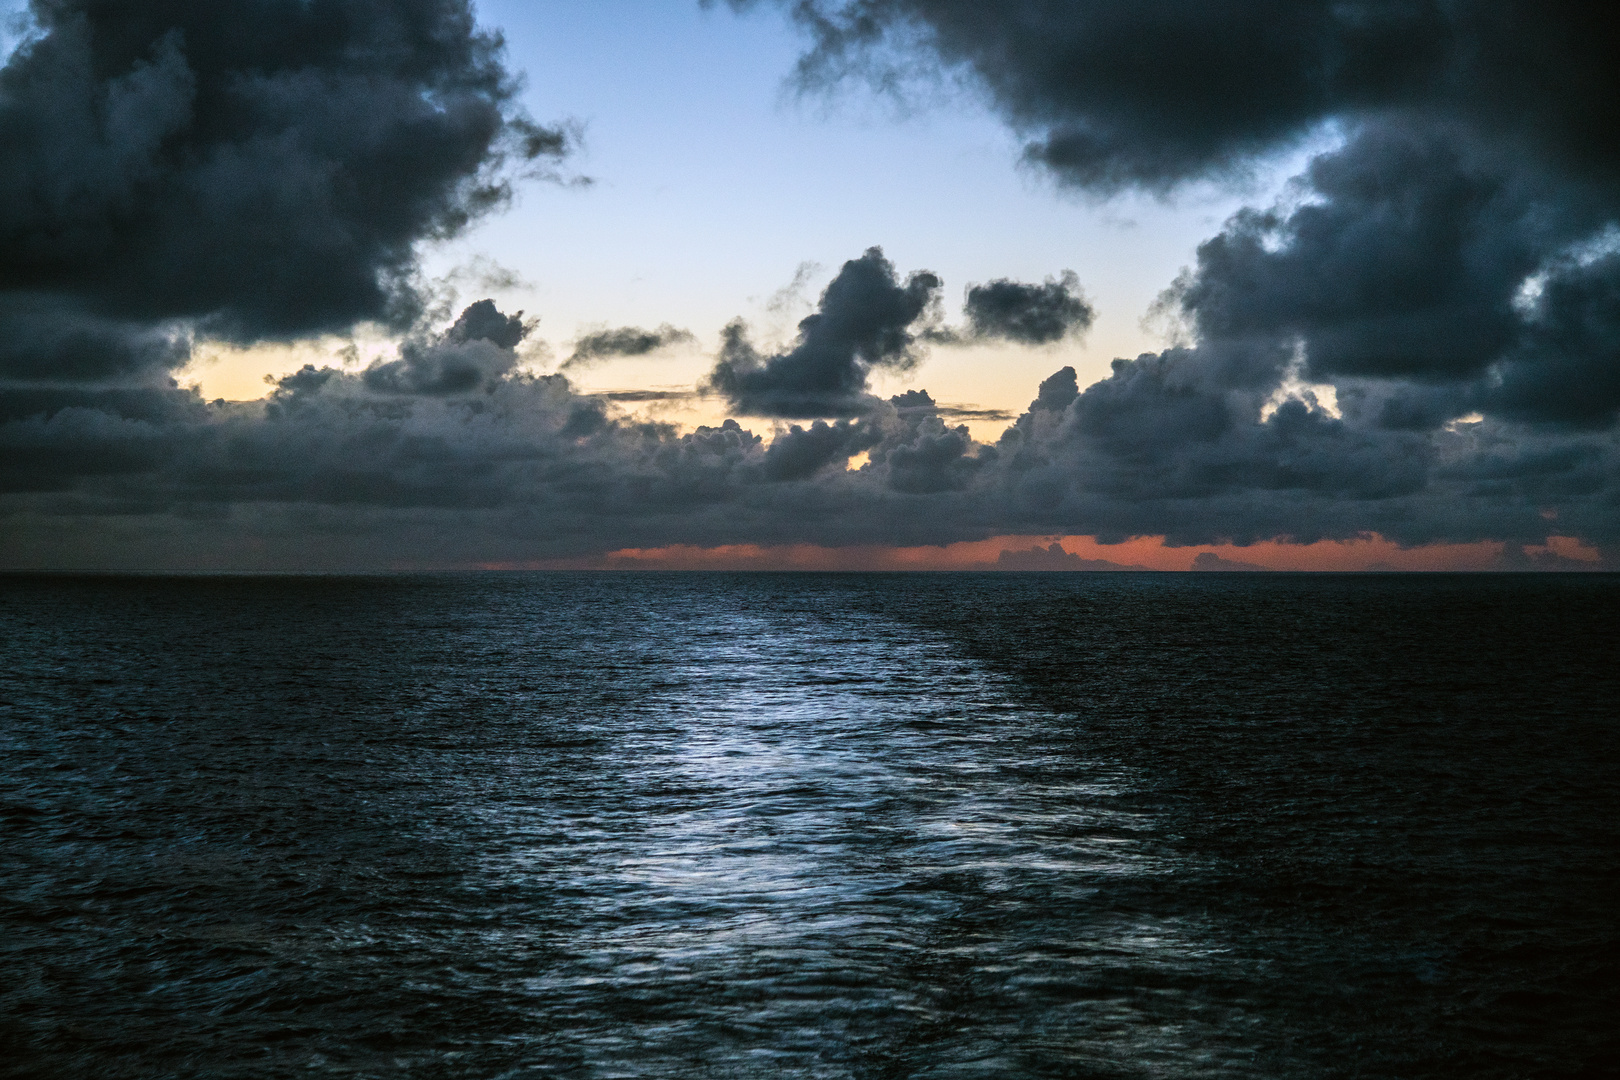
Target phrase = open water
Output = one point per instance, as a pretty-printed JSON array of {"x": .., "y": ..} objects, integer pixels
[{"x": 712, "y": 825}]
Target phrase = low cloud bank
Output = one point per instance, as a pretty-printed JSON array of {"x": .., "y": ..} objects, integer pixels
[{"x": 453, "y": 452}]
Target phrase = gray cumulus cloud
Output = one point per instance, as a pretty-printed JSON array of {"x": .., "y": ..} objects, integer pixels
[
  {"x": 472, "y": 355},
  {"x": 867, "y": 318},
  {"x": 1029, "y": 314}
]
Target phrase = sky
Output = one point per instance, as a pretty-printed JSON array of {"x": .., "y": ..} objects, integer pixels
[
  {"x": 889, "y": 284},
  {"x": 714, "y": 180}
]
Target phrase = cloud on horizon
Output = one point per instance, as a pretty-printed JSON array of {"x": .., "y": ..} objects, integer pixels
[{"x": 453, "y": 452}]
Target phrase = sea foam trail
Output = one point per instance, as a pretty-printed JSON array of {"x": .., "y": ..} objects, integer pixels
[{"x": 824, "y": 844}]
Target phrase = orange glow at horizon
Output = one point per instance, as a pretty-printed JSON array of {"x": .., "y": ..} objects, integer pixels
[{"x": 1369, "y": 552}]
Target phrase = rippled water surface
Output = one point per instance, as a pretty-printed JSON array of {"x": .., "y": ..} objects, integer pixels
[{"x": 810, "y": 826}]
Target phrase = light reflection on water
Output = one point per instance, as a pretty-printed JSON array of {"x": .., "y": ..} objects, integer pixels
[{"x": 871, "y": 848}]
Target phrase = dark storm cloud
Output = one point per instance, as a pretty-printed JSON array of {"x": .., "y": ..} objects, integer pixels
[
  {"x": 1156, "y": 92},
  {"x": 1407, "y": 266},
  {"x": 1167, "y": 446},
  {"x": 241, "y": 170},
  {"x": 1444, "y": 279},
  {"x": 1056, "y": 391},
  {"x": 516, "y": 465},
  {"x": 1029, "y": 314},
  {"x": 1565, "y": 366},
  {"x": 1174, "y": 450},
  {"x": 258, "y": 168},
  {"x": 866, "y": 318},
  {"x": 624, "y": 341},
  {"x": 914, "y": 402},
  {"x": 44, "y": 339}
]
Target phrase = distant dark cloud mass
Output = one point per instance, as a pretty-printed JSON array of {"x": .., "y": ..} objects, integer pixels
[
  {"x": 1421, "y": 340},
  {"x": 1053, "y": 557}
]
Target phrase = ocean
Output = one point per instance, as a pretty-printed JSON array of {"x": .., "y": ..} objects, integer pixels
[{"x": 810, "y": 825}]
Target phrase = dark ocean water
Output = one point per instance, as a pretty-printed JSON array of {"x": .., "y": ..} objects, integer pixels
[{"x": 717, "y": 825}]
